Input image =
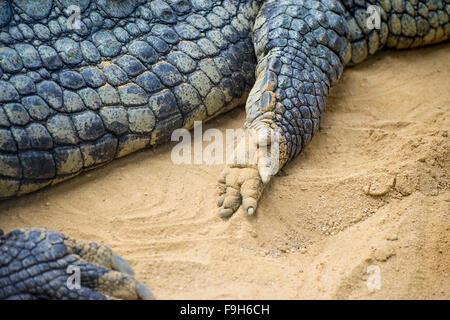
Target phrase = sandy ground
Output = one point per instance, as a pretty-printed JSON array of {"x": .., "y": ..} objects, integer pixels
[{"x": 371, "y": 192}]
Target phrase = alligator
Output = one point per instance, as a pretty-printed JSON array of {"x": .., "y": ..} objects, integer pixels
[{"x": 84, "y": 82}]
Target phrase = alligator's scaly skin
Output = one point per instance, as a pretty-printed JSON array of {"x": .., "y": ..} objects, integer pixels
[{"x": 135, "y": 70}]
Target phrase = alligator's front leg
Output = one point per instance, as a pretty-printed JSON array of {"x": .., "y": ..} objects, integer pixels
[
  {"x": 302, "y": 48},
  {"x": 41, "y": 264}
]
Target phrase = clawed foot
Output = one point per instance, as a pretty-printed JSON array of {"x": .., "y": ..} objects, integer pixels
[
  {"x": 42, "y": 264},
  {"x": 239, "y": 186},
  {"x": 256, "y": 159}
]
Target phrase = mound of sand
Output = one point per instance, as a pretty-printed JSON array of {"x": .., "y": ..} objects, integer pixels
[{"x": 362, "y": 213}]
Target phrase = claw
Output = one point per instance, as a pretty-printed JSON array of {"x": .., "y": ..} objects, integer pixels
[
  {"x": 220, "y": 201},
  {"x": 121, "y": 265},
  {"x": 144, "y": 292},
  {"x": 226, "y": 212},
  {"x": 266, "y": 174},
  {"x": 250, "y": 211}
]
